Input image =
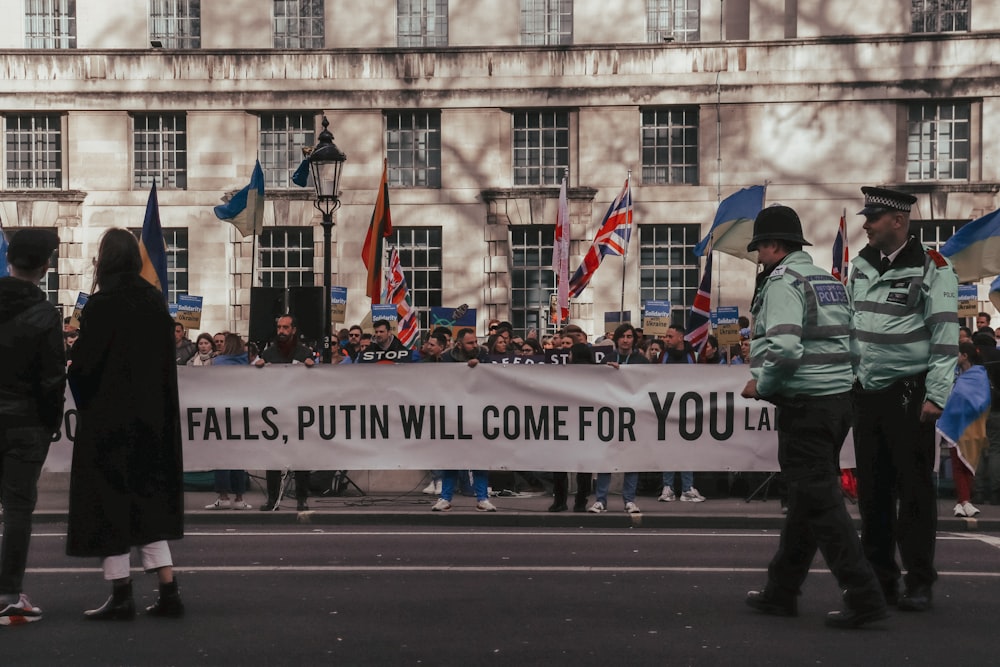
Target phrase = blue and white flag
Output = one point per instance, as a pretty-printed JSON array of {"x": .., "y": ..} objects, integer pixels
[
  {"x": 733, "y": 226},
  {"x": 246, "y": 209},
  {"x": 974, "y": 250}
]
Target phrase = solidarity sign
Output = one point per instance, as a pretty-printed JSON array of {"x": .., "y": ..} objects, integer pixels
[{"x": 492, "y": 417}]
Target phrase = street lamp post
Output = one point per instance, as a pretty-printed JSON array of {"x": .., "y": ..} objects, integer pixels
[{"x": 325, "y": 163}]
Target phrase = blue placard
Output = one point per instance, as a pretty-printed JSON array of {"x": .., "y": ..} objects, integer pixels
[
  {"x": 968, "y": 292},
  {"x": 338, "y": 295},
  {"x": 384, "y": 311},
  {"x": 725, "y": 315},
  {"x": 455, "y": 318},
  {"x": 657, "y": 309}
]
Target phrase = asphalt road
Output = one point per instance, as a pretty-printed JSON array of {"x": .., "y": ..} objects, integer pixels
[{"x": 321, "y": 595}]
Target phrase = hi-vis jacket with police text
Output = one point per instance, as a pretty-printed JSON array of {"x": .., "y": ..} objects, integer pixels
[
  {"x": 802, "y": 329},
  {"x": 905, "y": 320}
]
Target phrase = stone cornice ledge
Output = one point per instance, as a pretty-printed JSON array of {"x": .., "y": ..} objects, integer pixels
[{"x": 577, "y": 194}]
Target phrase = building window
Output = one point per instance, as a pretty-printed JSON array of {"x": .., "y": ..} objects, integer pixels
[
  {"x": 940, "y": 15},
  {"x": 670, "y": 146},
  {"x": 282, "y": 136},
  {"x": 50, "y": 24},
  {"x": 531, "y": 277},
  {"x": 420, "y": 255},
  {"x": 934, "y": 233},
  {"x": 668, "y": 267},
  {"x": 175, "y": 23},
  {"x": 34, "y": 152},
  {"x": 422, "y": 22},
  {"x": 546, "y": 22},
  {"x": 413, "y": 148},
  {"x": 672, "y": 21},
  {"x": 286, "y": 257},
  {"x": 160, "y": 151},
  {"x": 298, "y": 24},
  {"x": 938, "y": 146},
  {"x": 176, "y": 240},
  {"x": 541, "y": 147}
]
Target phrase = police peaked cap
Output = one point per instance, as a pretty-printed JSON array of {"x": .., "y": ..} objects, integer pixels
[
  {"x": 31, "y": 248},
  {"x": 881, "y": 200},
  {"x": 777, "y": 223}
]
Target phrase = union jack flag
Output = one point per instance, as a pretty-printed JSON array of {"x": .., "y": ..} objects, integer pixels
[
  {"x": 700, "y": 321},
  {"x": 408, "y": 330},
  {"x": 841, "y": 258},
  {"x": 612, "y": 239}
]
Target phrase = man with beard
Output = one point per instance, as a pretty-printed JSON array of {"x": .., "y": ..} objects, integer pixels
[{"x": 286, "y": 350}]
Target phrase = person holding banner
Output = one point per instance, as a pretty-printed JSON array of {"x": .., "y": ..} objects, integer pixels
[
  {"x": 801, "y": 362},
  {"x": 625, "y": 354}
]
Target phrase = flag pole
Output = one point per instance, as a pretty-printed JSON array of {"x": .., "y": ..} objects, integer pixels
[{"x": 621, "y": 307}]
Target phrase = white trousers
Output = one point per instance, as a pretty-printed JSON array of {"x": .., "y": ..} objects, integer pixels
[{"x": 154, "y": 556}]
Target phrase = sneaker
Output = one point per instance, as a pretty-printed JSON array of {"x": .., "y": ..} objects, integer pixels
[
  {"x": 20, "y": 612},
  {"x": 959, "y": 510},
  {"x": 597, "y": 508},
  {"x": 242, "y": 505},
  {"x": 437, "y": 488},
  {"x": 485, "y": 506},
  {"x": 970, "y": 509},
  {"x": 632, "y": 508},
  {"x": 220, "y": 505},
  {"x": 441, "y": 505},
  {"x": 430, "y": 489},
  {"x": 692, "y": 496},
  {"x": 667, "y": 496}
]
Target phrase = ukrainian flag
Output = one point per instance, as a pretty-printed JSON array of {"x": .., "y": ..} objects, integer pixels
[
  {"x": 152, "y": 247},
  {"x": 963, "y": 422},
  {"x": 246, "y": 209}
]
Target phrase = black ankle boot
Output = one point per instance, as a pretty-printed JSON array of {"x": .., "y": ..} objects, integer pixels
[
  {"x": 168, "y": 604},
  {"x": 118, "y": 607}
]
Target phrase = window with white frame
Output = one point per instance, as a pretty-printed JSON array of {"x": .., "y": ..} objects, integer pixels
[
  {"x": 940, "y": 15},
  {"x": 672, "y": 21},
  {"x": 176, "y": 240},
  {"x": 546, "y": 22},
  {"x": 670, "y": 145},
  {"x": 33, "y": 152},
  {"x": 160, "y": 150},
  {"x": 532, "y": 280},
  {"x": 934, "y": 233},
  {"x": 298, "y": 24},
  {"x": 175, "y": 23},
  {"x": 413, "y": 148},
  {"x": 285, "y": 257},
  {"x": 668, "y": 267},
  {"x": 50, "y": 24},
  {"x": 282, "y": 136},
  {"x": 541, "y": 146},
  {"x": 938, "y": 146},
  {"x": 419, "y": 251},
  {"x": 422, "y": 22}
]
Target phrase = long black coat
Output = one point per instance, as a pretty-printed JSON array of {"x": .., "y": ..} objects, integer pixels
[{"x": 126, "y": 484}]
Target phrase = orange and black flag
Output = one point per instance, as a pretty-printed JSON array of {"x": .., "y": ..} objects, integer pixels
[{"x": 380, "y": 228}]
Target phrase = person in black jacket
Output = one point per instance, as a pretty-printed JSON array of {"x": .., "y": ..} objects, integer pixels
[
  {"x": 32, "y": 390},
  {"x": 126, "y": 481}
]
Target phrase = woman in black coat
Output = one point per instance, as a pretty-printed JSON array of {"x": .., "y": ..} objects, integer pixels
[{"x": 126, "y": 483}]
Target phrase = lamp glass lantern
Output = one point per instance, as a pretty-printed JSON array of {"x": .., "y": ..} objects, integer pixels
[{"x": 326, "y": 163}]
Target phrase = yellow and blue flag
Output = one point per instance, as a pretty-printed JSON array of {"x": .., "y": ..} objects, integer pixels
[
  {"x": 4, "y": 269},
  {"x": 974, "y": 250},
  {"x": 963, "y": 421},
  {"x": 152, "y": 247},
  {"x": 732, "y": 228},
  {"x": 246, "y": 209}
]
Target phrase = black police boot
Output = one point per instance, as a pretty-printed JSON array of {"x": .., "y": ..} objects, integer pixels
[
  {"x": 168, "y": 604},
  {"x": 119, "y": 607},
  {"x": 769, "y": 602}
]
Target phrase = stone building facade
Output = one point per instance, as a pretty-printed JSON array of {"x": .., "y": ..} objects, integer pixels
[{"x": 481, "y": 107}]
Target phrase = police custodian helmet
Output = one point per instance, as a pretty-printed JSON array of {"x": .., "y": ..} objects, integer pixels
[{"x": 777, "y": 223}]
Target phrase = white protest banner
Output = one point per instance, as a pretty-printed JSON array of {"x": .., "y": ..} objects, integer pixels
[{"x": 448, "y": 416}]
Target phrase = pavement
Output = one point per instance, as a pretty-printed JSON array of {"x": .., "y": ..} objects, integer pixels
[{"x": 513, "y": 510}]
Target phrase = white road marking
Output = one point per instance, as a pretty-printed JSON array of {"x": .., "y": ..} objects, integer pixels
[{"x": 991, "y": 540}]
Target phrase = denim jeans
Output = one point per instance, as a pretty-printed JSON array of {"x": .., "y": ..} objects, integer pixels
[
  {"x": 22, "y": 453},
  {"x": 480, "y": 483},
  {"x": 231, "y": 481},
  {"x": 629, "y": 485},
  {"x": 687, "y": 481}
]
